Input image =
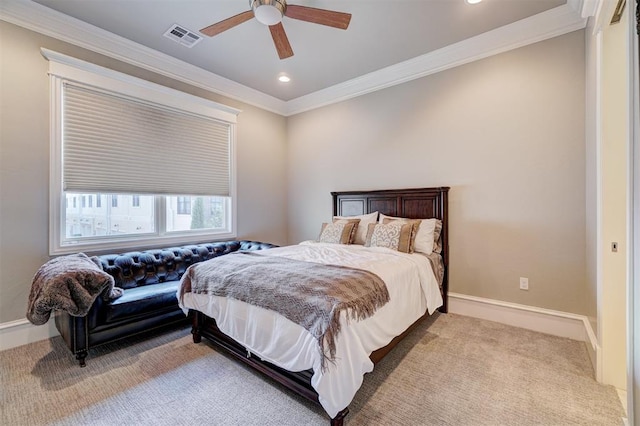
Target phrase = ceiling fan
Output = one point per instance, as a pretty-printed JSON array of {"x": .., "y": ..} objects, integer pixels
[{"x": 271, "y": 12}]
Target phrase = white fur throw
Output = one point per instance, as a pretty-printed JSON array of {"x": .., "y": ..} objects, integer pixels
[{"x": 71, "y": 284}]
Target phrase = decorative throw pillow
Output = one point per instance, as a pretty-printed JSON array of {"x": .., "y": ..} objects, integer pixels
[
  {"x": 338, "y": 232},
  {"x": 365, "y": 220},
  {"x": 426, "y": 239},
  {"x": 415, "y": 223},
  {"x": 396, "y": 235}
]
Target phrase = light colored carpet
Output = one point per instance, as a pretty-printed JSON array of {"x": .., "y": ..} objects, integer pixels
[{"x": 452, "y": 370}]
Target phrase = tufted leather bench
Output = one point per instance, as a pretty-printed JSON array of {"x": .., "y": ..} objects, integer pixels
[{"x": 150, "y": 281}]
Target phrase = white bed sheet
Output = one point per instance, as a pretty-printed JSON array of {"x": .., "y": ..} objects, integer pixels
[{"x": 412, "y": 287}]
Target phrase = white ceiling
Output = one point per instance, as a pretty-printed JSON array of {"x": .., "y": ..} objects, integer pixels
[{"x": 387, "y": 42}]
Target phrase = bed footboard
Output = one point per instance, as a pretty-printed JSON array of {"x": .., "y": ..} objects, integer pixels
[{"x": 298, "y": 382}]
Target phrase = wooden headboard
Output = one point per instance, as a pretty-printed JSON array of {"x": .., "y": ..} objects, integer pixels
[{"x": 416, "y": 203}]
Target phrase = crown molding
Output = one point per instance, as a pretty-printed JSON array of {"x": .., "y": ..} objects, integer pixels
[
  {"x": 552, "y": 23},
  {"x": 586, "y": 8},
  {"x": 545, "y": 25}
]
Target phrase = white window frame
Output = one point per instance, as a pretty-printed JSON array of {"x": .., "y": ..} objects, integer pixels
[{"x": 65, "y": 68}]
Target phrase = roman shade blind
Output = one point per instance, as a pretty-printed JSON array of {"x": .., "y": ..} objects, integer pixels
[{"x": 120, "y": 144}]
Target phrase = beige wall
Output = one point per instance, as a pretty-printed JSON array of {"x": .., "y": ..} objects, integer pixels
[
  {"x": 24, "y": 161},
  {"x": 614, "y": 157},
  {"x": 506, "y": 133}
]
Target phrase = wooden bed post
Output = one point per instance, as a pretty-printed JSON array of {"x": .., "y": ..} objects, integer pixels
[
  {"x": 444, "y": 216},
  {"x": 196, "y": 326},
  {"x": 338, "y": 420}
]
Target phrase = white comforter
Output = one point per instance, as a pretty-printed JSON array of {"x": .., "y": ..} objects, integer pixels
[{"x": 412, "y": 289}]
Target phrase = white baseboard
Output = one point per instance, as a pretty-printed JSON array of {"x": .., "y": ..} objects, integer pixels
[
  {"x": 557, "y": 323},
  {"x": 563, "y": 324},
  {"x": 21, "y": 332}
]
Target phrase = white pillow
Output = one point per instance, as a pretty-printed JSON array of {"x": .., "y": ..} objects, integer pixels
[
  {"x": 365, "y": 220},
  {"x": 425, "y": 239}
]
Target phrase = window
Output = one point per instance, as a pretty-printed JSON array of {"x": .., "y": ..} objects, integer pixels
[
  {"x": 184, "y": 205},
  {"x": 195, "y": 213},
  {"x": 104, "y": 121},
  {"x": 110, "y": 222}
]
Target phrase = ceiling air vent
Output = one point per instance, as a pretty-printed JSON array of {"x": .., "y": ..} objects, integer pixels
[{"x": 181, "y": 35}]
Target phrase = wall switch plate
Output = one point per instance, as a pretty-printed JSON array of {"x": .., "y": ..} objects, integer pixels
[{"x": 524, "y": 283}]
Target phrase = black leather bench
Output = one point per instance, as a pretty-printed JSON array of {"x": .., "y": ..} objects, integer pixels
[{"x": 150, "y": 281}]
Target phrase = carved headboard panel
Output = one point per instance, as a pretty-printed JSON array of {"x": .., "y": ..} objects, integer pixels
[{"x": 416, "y": 203}]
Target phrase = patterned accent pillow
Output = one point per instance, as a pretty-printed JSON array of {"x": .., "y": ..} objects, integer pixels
[
  {"x": 415, "y": 230},
  {"x": 396, "y": 235},
  {"x": 354, "y": 230},
  {"x": 338, "y": 232},
  {"x": 363, "y": 226},
  {"x": 427, "y": 239}
]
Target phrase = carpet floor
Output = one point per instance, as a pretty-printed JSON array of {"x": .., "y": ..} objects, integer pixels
[{"x": 451, "y": 370}]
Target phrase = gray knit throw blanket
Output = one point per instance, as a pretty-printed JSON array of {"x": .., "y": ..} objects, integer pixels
[
  {"x": 71, "y": 284},
  {"x": 311, "y": 295}
]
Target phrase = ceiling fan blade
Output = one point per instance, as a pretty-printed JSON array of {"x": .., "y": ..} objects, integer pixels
[
  {"x": 228, "y": 23},
  {"x": 319, "y": 16},
  {"x": 281, "y": 41}
]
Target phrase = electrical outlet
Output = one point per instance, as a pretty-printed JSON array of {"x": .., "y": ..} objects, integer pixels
[{"x": 524, "y": 283}]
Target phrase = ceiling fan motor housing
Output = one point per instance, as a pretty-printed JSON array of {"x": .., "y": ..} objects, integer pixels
[{"x": 268, "y": 12}]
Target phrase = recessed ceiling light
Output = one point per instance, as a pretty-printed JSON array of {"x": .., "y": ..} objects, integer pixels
[
  {"x": 473, "y": 1},
  {"x": 284, "y": 78}
]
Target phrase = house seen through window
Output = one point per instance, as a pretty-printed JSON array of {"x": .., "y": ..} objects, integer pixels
[{"x": 136, "y": 215}]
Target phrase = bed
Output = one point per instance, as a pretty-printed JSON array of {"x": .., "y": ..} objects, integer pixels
[{"x": 268, "y": 345}]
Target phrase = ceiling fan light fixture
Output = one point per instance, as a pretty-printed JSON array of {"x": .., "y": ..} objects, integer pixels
[{"x": 268, "y": 12}]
